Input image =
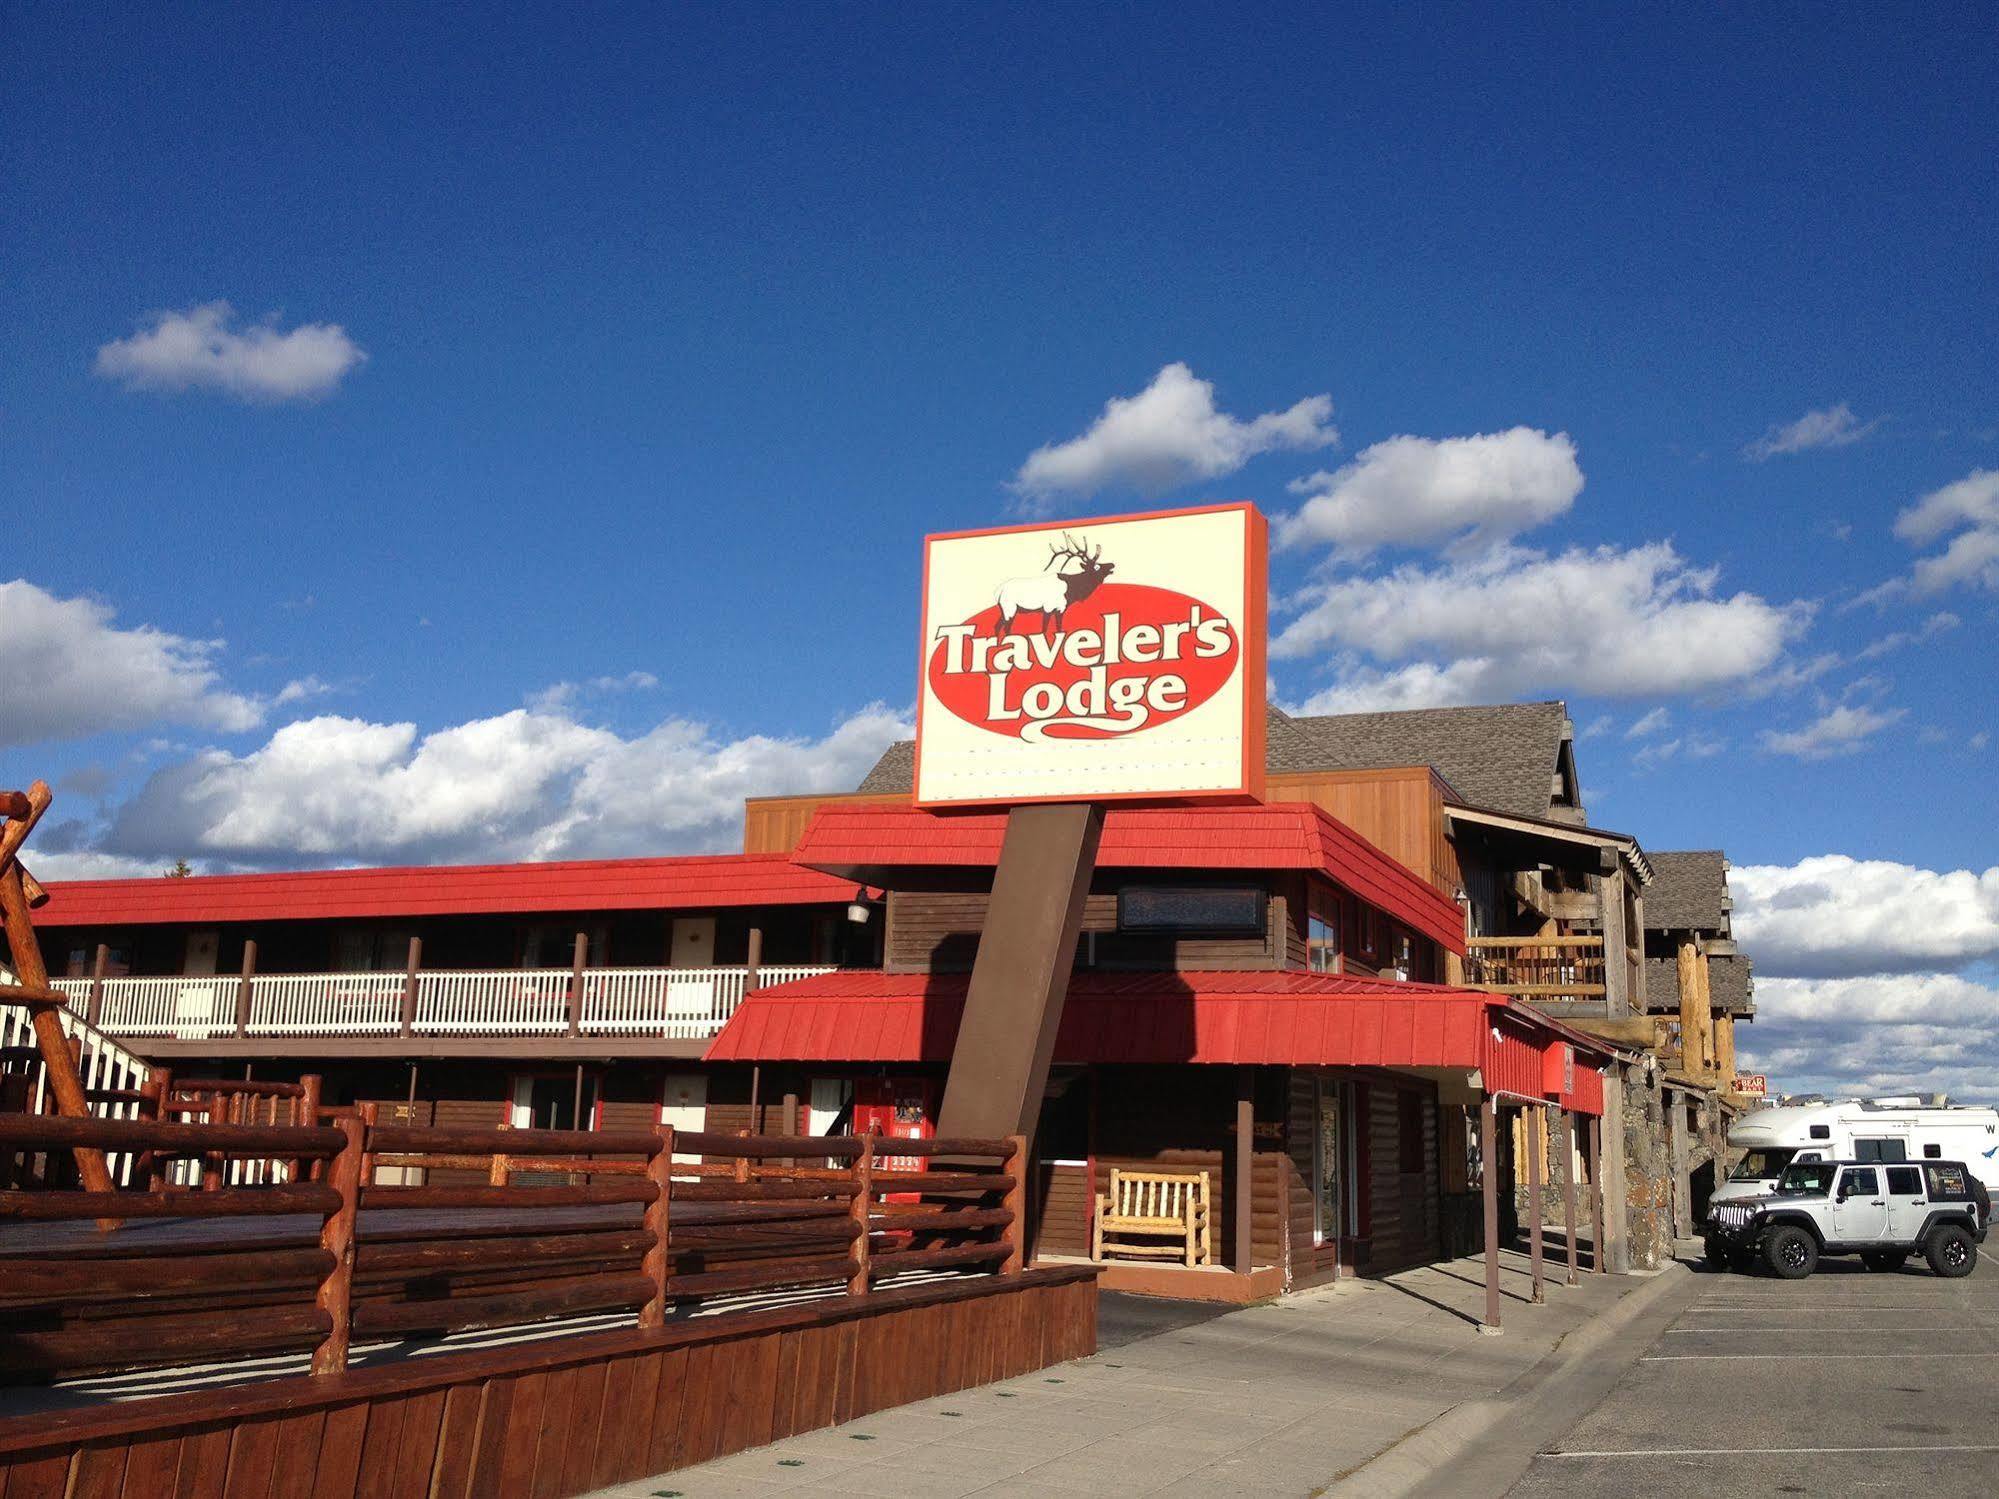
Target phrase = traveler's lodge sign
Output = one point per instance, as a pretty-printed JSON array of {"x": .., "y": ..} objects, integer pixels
[{"x": 1094, "y": 660}]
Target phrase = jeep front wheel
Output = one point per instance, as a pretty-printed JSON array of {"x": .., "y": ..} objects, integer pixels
[
  {"x": 1790, "y": 1252},
  {"x": 1951, "y": 1251}
]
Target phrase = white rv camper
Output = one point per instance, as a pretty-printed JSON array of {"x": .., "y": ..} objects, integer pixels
[{"x": 1882, "y": 1129}]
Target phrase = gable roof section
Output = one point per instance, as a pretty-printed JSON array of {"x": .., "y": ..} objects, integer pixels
[
  {"x": 1504, "y": 756},
  {"x": 703, "y": 882},
  {"x": 872, "y": 843},
  {"x": 1689, "y": 892}
]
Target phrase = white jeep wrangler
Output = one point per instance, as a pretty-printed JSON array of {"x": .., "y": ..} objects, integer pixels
[{"x": 1883, "y": 1212}]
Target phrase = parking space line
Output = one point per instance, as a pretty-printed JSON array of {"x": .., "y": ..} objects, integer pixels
[
  {"x": 1816, "y": 1358},
  {"x": 1858, "y": 1331},
  {"x": 1777, "y": 1451}
]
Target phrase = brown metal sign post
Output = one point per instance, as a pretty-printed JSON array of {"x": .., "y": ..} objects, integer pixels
[{"x": 1020, "y": 977}]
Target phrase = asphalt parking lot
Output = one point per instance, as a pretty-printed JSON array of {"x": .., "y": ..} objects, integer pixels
[{"x": 1848, "y": 1382}]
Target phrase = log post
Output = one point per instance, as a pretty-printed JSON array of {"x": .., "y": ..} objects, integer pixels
[
  {"x": 741, "y": 1170},
  {"x": 1599, "y": 1261},
  {"x": 580, "y": 958},
  {"x": 148, "y": 1166},
  {"x": 1015, "y": 1202},
  {"x": 1688, "y": 970},
  {"x": 64, "y": 1080},
  {"x": 306, "y": 1112},
  {"x": 245, "y": 983},
  {"x": 791, "y": 1123},
  {"x": 93, "y": 1008},
  {"x": 658, "y": 1262},
  {"x": 1488, "y": 1159},
  {"x": 369, "y": 1114},
  {"x": 1570, "y": 1157},
  {"x": 214, "y": 1166},
  {"x": 861, "y": 1212},
  {"x": 1536, "y": 1135},
  {"x": 411, "y": 966},
  {"x": 1245, "y": 1168},
  {"x": 336, "y": 1237},
  {"x": 755, "y": 961}
]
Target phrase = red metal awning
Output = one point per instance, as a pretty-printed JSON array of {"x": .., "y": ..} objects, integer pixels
[
  {"x": 876, "y": 844},
  {"x": 1267, "y": 1018},
  {"x": 706, "y": 882}
]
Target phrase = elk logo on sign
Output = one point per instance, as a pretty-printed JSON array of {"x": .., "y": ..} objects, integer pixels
[{"x": 1103, "y": 660}]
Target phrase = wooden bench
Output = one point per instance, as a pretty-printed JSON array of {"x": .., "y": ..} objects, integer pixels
[{"x": 1143, "y": 1207}]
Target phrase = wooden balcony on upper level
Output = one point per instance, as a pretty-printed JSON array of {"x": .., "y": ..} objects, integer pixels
[
  {"x": 467, "y": 1012},
  {"x": 1537, "y": 968}
]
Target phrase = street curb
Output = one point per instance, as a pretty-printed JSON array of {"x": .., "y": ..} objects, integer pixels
[{"x": 1417, "y": 1457}]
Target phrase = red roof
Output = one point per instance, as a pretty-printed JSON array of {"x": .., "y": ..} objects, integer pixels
[
  {"x": 703, "y": 882},
  {"x": 872, "y": 842},
  {"x": 1277, "y": 1017}
]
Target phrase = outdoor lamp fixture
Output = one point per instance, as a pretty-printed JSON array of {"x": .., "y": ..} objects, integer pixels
[{"x": 857, "y": 908}]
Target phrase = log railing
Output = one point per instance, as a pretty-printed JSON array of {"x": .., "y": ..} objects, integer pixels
[
  {"x": 116, "y": 1085},
  {"x": 541, "y": 1224},
  {"x": 1536, "y": 967}
]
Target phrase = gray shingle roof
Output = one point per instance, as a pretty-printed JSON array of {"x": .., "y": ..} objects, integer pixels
[
  {"x": 1502, "y": 757},
  {"x": 1730, "y": 985},
  {"x": 1689, "y": 892}
]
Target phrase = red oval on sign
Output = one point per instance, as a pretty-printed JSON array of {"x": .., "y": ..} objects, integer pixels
[{"x": 1129, "y": 658}]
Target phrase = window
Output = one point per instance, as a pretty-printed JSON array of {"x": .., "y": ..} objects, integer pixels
[
  {"x": 1880, "y": 1150},
  {"x": 1821, "y": 1131},
  {"x": 1411, "y": 1121},
  {"x": 1932, "y": 1152},
  {"x": 1859, "y": 1181},
  {"x": 1322, "y": 930},
  {"x": 1368, "y": 940},
  {"x": 1191, "y": 910},
  {"x": 548, "y": 1101},
  {"x": 371, "y": 950},
  {"x": 1904, "y": 1181}
]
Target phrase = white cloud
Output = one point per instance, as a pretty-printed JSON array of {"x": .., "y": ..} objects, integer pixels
[
  {"x": 559, "y": 695},
  {"x": 1514, "y": 622},
  {"x": 300, "y": 689},
  {"x": 1896, "y": 640},
  {"x": 1415, "y": 490},
  {"x": 1874, "y": 1036},
  {"x": 201, "y": 349},
  {"x": 1652, "y": 723},
  {"x": 1834, "y": 427},
  {"x": 529, "y": 784},
  {"x": 1169, "y": 434},
  {"x": 1968, "y": 506},
  {"x": 1693, "y": 745},
  {"x": 71, "y": 673},
  {"x": 1835, "y": 916},
  {"x": 1841, "y": 730}
]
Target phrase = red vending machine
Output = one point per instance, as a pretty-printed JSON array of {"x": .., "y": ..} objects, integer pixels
[{"x": 897, "y": 1108}]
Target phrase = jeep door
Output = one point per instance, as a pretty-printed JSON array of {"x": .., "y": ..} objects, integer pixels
[
  {"x": 1908, "y": 1203},
  {"x": 1859, "y": 1208}
]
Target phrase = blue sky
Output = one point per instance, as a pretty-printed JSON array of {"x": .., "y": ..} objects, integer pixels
[{"x": 556, "y": 473}]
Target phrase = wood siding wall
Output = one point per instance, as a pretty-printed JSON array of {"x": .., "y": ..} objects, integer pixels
[
  {"x": 1401, "y": 812},
  {"x": 560, "y": 1417},
  {"x": 774, "y": 824}
]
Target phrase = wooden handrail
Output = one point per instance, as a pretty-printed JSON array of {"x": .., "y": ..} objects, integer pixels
[
  {"x": 1474, "y": 943},
  {"x": 164, "y": 1137}
]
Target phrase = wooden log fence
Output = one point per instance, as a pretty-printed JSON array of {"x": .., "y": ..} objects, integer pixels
[{"x": 318, "y": 1254}]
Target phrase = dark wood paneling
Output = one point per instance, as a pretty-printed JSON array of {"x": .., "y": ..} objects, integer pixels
[
  {"x": 937, "y": 931},
  {"x": 560, "y": 1417}
]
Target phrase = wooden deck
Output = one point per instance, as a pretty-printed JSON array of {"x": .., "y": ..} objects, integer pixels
[{"x": 559, "y": 1416}]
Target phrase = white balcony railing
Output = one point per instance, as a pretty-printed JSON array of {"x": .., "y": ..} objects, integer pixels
[{"x": 675, "y": 1003}]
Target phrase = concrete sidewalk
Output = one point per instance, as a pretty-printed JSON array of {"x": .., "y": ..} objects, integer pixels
[{"x": 1282, "y": 1399}]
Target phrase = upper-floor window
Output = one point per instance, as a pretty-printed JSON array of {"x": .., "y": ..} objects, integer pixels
[
  {"x": 1191, "y": 910},
  {"x": 1322, "y": 930}
]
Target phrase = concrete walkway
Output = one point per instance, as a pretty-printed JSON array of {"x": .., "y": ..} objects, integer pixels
[{"x": 1284, "y": 1399}]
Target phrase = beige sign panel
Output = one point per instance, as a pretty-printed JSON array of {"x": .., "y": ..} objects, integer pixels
[{"x": 1094, "y": 660}]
